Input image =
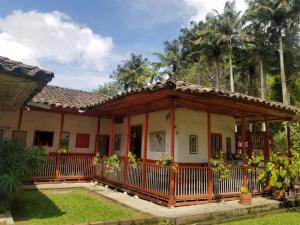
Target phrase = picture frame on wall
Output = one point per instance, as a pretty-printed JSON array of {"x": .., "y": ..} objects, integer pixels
[
  {"x": 157, "y": 142},
  {"x": 118, "y": 142},
  {"x": 193, "y": 144}
]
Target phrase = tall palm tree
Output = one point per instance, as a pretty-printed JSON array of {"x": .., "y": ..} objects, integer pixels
[
  {"x": 278, "y": 15},
  {"x": 228, "y": 31}
]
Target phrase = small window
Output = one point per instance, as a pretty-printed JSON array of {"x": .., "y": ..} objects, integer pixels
[
  {"x": 216, "y": 144},
  {"x": 43, "y": 138},
  {"x": 82, "y": 140},
  {"x": 1, "y": 134},
  {"x": 65, "y": 140}
]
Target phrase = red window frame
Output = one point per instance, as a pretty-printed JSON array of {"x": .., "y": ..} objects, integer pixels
[{"x": 213, "y": 150}]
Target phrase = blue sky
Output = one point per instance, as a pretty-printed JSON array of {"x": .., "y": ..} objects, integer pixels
[{"x": 83, "y": 41}]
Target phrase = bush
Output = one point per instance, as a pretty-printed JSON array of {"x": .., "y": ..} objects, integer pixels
[{"x": 17, "y": 164}]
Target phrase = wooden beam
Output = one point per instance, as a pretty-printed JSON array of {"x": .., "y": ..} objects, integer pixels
[
  {"x": 111, "y": 133},
  {"x": 243, "y": 130},
  {"x": 127, "y": 146},
  {"x": 266, "y": 140},
  {"x": 61, "y": 129},
  {"x": 209, "y": 154},
  {"x": 145, "y": 150},
  {"x": 172, "y": 132},
  {"x": 96, "y": 149}
]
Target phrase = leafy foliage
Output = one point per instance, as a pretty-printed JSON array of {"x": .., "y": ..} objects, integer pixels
[
  {"x": 133, "y": 160},
  {"x": 220, "y": 167},
  {"x": 17, "y": 164}
]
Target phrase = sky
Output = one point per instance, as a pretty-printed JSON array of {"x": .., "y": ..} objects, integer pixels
[{"x": 82, "y": 42}]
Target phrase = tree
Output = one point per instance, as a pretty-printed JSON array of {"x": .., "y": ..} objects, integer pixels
[
  {"x": 134, "y": 73},
  {"x": 170, "y": 60},
  {"x": 108, "y": 89},
  {"x": 229, "y": 31},
  {"x": 278, "y": 15}
]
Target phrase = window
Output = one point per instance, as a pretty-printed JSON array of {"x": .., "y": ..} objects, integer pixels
[
  {"x": 1, "y": 134},
  {"x": 228, "y": 145},
  {"x": 43, "y": 138},
  {"x": 82, "y": 140},
  {"x": 216, "y": 144},
  {"x": 65, "y": 139}
]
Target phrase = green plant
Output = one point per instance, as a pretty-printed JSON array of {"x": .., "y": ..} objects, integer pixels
[
  {"x": 133, "y": 160},
  {"x": 97, "y": 159},
  {"x": 167, "y": 161},
  {"x": 17, "y": 164},
  {"x": 112, "y": 163},
  {"x": 220, "y": 167}
]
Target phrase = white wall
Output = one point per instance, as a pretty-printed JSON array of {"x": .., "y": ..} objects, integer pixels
[
  {"x": 190, "y": 122},
  {"x": 8, "y": 122}
]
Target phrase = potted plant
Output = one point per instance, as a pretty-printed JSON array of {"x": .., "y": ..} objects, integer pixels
[
  {"x": 167, "y": 161},
  {"x": 133, "y": 160},
  {"x": 245, "y": 196}
]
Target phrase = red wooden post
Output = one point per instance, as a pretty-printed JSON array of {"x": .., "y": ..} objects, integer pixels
[
  {"x": 289, "y": 143},
  {"x": 20, "y": 119},
  {"x": 244, "y": 151},
  {"x": 111, "y": 136},
  {"x": 96, "y": 145},
  {"x": 172, "y": 199},
  {"x": 266, "y": 140},
  {"x": 146, "y": 121},
  {"x": 57, "y": 170},
  {"x": 127, "y": 146},
  {"x": 209, "y": 153}
]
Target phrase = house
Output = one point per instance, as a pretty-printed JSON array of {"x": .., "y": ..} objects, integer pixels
[{"x": 187, "y": 122}]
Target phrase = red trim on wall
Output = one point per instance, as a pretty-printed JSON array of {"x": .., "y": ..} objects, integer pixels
[
  {"x": 97, "y": 136},
  {"x": 209, "y": 154},
  {"x": 61, "y": 130},
  {"x": 111, "y": 136}
]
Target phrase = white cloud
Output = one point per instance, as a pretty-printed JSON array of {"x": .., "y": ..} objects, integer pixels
[
  {"x": 201, "y": 7},
  {"x": 32, "y": 37}
]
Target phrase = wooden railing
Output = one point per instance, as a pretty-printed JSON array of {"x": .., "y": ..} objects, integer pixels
[
  {"x": 191, "y": 181},
  {"x": 66, "y": 166},
  {"x": 230, "y": 185},
  {"x": 48, "y": 169}
]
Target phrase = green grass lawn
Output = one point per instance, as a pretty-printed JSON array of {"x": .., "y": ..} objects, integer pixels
[
  {"x": 287, "y": 218},
  {"x": 73, "y": 206}
]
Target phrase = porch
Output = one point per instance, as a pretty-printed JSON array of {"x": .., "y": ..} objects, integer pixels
[{"x": 161, "y": 184}]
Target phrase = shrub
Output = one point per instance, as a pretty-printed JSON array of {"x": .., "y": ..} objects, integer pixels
[{"x": 17, "y": 164}]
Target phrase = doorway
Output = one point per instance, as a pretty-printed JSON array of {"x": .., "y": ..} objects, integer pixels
[
  {"x": 136, "y": 140},
  {"x": 103, "y": 145}
]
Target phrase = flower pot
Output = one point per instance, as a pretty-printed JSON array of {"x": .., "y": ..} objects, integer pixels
[
  {"x": 245, "y": 199},
  {"x": 278, "y": 194}
]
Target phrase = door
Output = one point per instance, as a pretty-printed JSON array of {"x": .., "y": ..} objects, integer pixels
[
  {"x": 136, "y": 140},
  {"x": 103, "y": 144}
]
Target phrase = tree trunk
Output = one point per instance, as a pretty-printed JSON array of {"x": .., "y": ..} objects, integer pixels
[
  {"x": 262, "y": 80},
  {"x": 285, "y": 95},
  {"x": 231, "y": 73},
  {"x": 230, "y": 67}
]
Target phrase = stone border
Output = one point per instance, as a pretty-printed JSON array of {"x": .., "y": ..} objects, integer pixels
[
  {"x": 6, "y": 218},
  {"x": 147, "y": 220}
]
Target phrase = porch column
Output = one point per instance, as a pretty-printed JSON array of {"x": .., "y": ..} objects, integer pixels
[
  {"x": 209, "y": 170},
  {"x": 244, "y": 151},
  {"x": 289, "y": 143},
  {"x": 57, "y": 170},
  {"x": 111, "y": 134},
  {"x": 266, "y": 140},
  {"x": 172, "y": 200},
  {"x": 145, "y": 149},
  {"x": 127, "y": 146},
  {"x": 97, "y": 144}
]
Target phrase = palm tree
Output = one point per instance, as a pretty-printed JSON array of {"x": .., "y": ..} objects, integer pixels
[
  {"x": 278, "y": 15},
  {"x": 170, "y": 60},
  {"x": 228, "y": 31}
]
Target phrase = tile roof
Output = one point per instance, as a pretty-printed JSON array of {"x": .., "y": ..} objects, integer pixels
[
  {"x": 67, "y": 98},
  {"x": 19, "y": 69},
  {"x": 185, "y": 87}
]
